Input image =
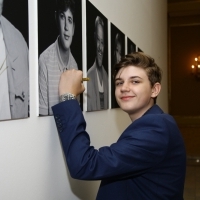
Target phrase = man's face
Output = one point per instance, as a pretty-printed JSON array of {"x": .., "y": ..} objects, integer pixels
[
  {"x": 118, "y": 51},
  {"x": 1, "y": 6},
  {"x": 66, "y": 28},
  {"x": 133, "y": 91},
  {"x": 99, "y": 45}
]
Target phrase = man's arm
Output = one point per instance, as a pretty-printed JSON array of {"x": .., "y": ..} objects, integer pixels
[
  {"x": 133, "y": 154},
  {"x": 137, "y": 150}
]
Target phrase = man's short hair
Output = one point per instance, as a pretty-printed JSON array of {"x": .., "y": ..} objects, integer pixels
[
  {"x": 98, "y": 21},
  {"x": 63, "y": 5},
  {"x": 144, "y": 61}
]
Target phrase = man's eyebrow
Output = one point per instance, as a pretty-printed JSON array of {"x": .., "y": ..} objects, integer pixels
[
  {"x": 135, "y": 77},
  {"x": 117, "y": 79},
  {"x": 132, "y": 77}
]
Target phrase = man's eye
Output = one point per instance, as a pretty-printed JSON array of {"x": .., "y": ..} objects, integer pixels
[
  {"x": 135, "y": 82},
  {"x": 118, "y": 83},
  {"x": 70, "y": 20},
  {"x": 61, "y": 15}
]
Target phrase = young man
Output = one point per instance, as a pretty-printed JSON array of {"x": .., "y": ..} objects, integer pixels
[
  {"x": 57, "y": 57},
  {"x": 97, "y": 87},
  {"x": 14, "y": 71},
  {"x": 148, "y": 161}
]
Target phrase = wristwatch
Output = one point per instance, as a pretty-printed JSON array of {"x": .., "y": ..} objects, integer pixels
[{"x": 67, "y": 96}]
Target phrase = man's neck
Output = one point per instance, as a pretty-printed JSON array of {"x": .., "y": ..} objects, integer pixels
[
  {"x": 136, "y": 115},
  {"x": 64, "y": 54}
]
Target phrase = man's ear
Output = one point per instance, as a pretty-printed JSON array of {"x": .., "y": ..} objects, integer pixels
[{"x": 156, "y": 90}]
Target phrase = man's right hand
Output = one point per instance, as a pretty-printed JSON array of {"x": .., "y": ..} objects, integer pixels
[{"x": 71, "y": 82}]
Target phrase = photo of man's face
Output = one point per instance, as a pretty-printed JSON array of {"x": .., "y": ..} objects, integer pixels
[
  {"x": 1, "y": 6},
  {"x": 118, "y": 51},
  {"x": 99, "y": 45},
  {"x": 66, "y": 28}
]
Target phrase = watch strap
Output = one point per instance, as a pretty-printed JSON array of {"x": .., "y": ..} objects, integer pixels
[{"x": 67, "y": 96}]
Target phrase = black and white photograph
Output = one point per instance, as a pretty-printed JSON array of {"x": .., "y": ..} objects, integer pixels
[
  {"x": 117, "y": 52},
  {"x": 14, "y": 60},
  {"x": 60, "y": 47},
  {"x": 131, "y": 47},
  {"x": 97, "y": 59}
]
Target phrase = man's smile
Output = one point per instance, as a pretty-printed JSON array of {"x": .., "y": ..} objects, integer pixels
[
  {"x": 66, "y": 37},
  {"x": 125, "y": 98}
]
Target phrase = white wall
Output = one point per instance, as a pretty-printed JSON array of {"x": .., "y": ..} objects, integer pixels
[{"x": 31, "y": 161}]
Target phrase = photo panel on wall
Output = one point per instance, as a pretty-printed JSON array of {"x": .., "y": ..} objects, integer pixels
[
  {"x": 97, "y": 59},
  {"x": 117, "y": 52},
  {"x": 14, "y": 60},
  {"x": 60, "y": 47},
  {"x": 131, "y": 47}
]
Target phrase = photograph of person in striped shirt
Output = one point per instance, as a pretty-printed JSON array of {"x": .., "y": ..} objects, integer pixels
[{"x": 57, "y": 57}]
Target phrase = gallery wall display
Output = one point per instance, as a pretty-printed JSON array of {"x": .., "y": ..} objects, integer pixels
[
  {"x": 131, "y": 47},
  {"x": 14, "y": 60},
  {"x": 97, "y": 59},
  {"x": 117, "y": 52},
  {"x": 60, "y": 47}
]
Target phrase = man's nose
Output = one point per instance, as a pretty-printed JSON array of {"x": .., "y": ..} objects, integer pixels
[
  {"x": 125, "y": 87},
  {"x": 66, "y": 25},
  {"x": 100, "y": 46}
]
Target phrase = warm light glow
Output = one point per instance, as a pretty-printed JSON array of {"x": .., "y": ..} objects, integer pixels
[{"x": 195, "y": 68}]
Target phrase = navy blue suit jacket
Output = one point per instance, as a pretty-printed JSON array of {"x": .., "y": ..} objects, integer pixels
[{"x": 147, "y": 162}]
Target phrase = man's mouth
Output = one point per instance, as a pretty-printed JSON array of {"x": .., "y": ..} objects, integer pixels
[
  {"x": 125, "y": 98},
  {"x": 66, "y": 37}
]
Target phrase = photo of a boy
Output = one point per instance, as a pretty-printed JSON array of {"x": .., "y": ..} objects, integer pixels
[{"x": 57, "y": 58}]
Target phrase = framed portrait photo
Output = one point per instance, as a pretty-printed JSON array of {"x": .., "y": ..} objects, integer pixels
[
  {"x": 60, "y": 47},
  {"x": 97, "y": 59}
]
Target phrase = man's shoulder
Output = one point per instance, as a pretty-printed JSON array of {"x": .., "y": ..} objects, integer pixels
[
  {"x": 91, "y": 70},
  {"x": 49, "y": 54},
  {"x": 11, "y": 33},
  {"x": 8, "y": 26},
  {"x": 155, "y": 117},
  {"x": 49, "y": 50}
]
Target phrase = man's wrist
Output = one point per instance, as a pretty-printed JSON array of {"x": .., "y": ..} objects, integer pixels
[{"x": 67, "y": 96}]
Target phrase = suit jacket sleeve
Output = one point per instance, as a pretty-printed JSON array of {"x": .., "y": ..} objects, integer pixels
[{"x": 140, "y": 147}]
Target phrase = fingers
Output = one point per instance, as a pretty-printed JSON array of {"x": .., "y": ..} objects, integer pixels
[
  {"x": 71, "y": 82},
  {"x": 83, "y": 87}
]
